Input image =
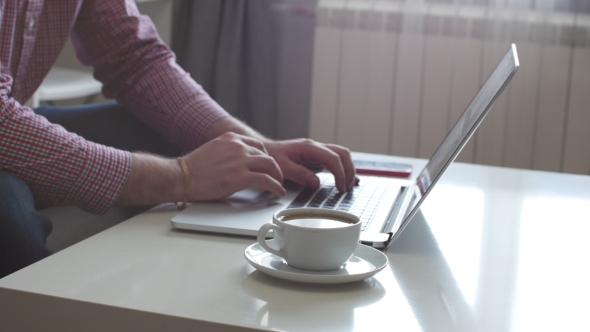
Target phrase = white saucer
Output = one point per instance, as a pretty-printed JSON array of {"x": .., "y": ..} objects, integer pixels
[{"x": 364, "y": 263}]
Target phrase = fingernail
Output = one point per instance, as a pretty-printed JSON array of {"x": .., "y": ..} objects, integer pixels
[{"x": 312, "y": 182}]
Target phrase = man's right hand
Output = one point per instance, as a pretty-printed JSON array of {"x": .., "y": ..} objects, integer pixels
[
  {"x": 231, "y": 163},
  {"x": 217, "y": 169}
]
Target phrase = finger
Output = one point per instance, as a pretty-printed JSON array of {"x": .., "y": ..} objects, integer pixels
[
  {"x": 347, "y": 164},
  {"x": 314, "y": 166},
  {"x": 253, "y": 142},
  {"x": 300, "y": 174},
  {"x": 331, "y": 159},
  {"x": 267, "y": 165},
  {"x": 312, "y": 152},
  {"x": 264, "y": 182}
]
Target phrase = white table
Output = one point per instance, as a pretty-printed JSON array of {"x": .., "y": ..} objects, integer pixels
[{"x": 494, "y": 249}]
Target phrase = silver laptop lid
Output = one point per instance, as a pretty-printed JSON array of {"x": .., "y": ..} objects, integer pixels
[{"x": 462, "y": 130}]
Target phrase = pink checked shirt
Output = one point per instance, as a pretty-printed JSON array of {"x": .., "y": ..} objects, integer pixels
[{"x": 133, "y": 64}]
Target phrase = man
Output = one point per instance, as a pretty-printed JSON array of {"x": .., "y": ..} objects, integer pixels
[{"x": 44, "y": 164}]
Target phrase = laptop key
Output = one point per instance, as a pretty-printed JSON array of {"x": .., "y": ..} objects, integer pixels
[
  {"x": 330, "y": 204},
  {"x": 314, "y": 204},
  {"x": 345, "y": 206},
  {"x": 332, "y": 200},
  {"x": 303, "y": 197}
]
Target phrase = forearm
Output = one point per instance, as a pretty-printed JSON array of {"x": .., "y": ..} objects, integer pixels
[
  {"x": 152, "y": 180},
  {"x": 231, "y": 124},
  {"x": 59, "y": 167}
]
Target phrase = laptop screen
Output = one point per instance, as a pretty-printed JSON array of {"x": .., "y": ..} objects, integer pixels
[{"x": 465, "y": 126}]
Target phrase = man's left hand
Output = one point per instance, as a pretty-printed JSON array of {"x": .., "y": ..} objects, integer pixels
[{"x": 293, "y": 155}]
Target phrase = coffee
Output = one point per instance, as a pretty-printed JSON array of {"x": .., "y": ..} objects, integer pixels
[
  {"x": 315, "y": 216},
  {"x": 317, "y": 223}
]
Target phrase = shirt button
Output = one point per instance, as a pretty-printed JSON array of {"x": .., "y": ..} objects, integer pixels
[{"x": 31, "y": 23}]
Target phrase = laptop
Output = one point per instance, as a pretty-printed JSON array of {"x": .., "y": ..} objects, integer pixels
[{"x": 385, "y": 205}]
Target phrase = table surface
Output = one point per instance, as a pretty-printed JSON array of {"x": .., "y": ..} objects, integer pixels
[{"x": 492, "y": 249}]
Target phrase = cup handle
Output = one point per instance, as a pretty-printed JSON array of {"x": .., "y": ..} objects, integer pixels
[{"x": 262, "y": 238}]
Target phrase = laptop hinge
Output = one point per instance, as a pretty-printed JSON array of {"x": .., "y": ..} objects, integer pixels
[{"x": 376, "y": 240}]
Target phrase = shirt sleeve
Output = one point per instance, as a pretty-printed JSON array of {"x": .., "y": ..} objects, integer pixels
[
  {"x": 139, "y": 70},
  {"x": 58, "y": 166}
]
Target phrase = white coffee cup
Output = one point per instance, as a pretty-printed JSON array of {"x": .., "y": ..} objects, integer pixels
[{"x": 312, "y": 239}]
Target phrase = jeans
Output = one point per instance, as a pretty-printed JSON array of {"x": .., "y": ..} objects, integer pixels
[{"x": 23, "y": 229}]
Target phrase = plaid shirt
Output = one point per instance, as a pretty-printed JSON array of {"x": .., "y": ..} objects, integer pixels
[{"x": 135, "y": 67}]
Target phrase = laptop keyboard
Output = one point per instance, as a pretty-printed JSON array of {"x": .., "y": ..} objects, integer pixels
[{"x": 362, "y": 200}]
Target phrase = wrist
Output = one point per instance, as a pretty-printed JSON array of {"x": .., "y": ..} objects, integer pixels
[
  {"x": 231, "y": 124},
  {"x": 152, "y": 180},
  {"x": 185, "y": 183}
]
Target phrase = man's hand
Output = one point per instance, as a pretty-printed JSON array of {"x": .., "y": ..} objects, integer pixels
[
  {"x": 292, "y": 155},
  {"x": 217, "y": 169},
  {"x": 231, "y": 163}
]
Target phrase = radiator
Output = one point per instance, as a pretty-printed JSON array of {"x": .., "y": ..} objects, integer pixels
[{"x": 392, "y": 78}]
